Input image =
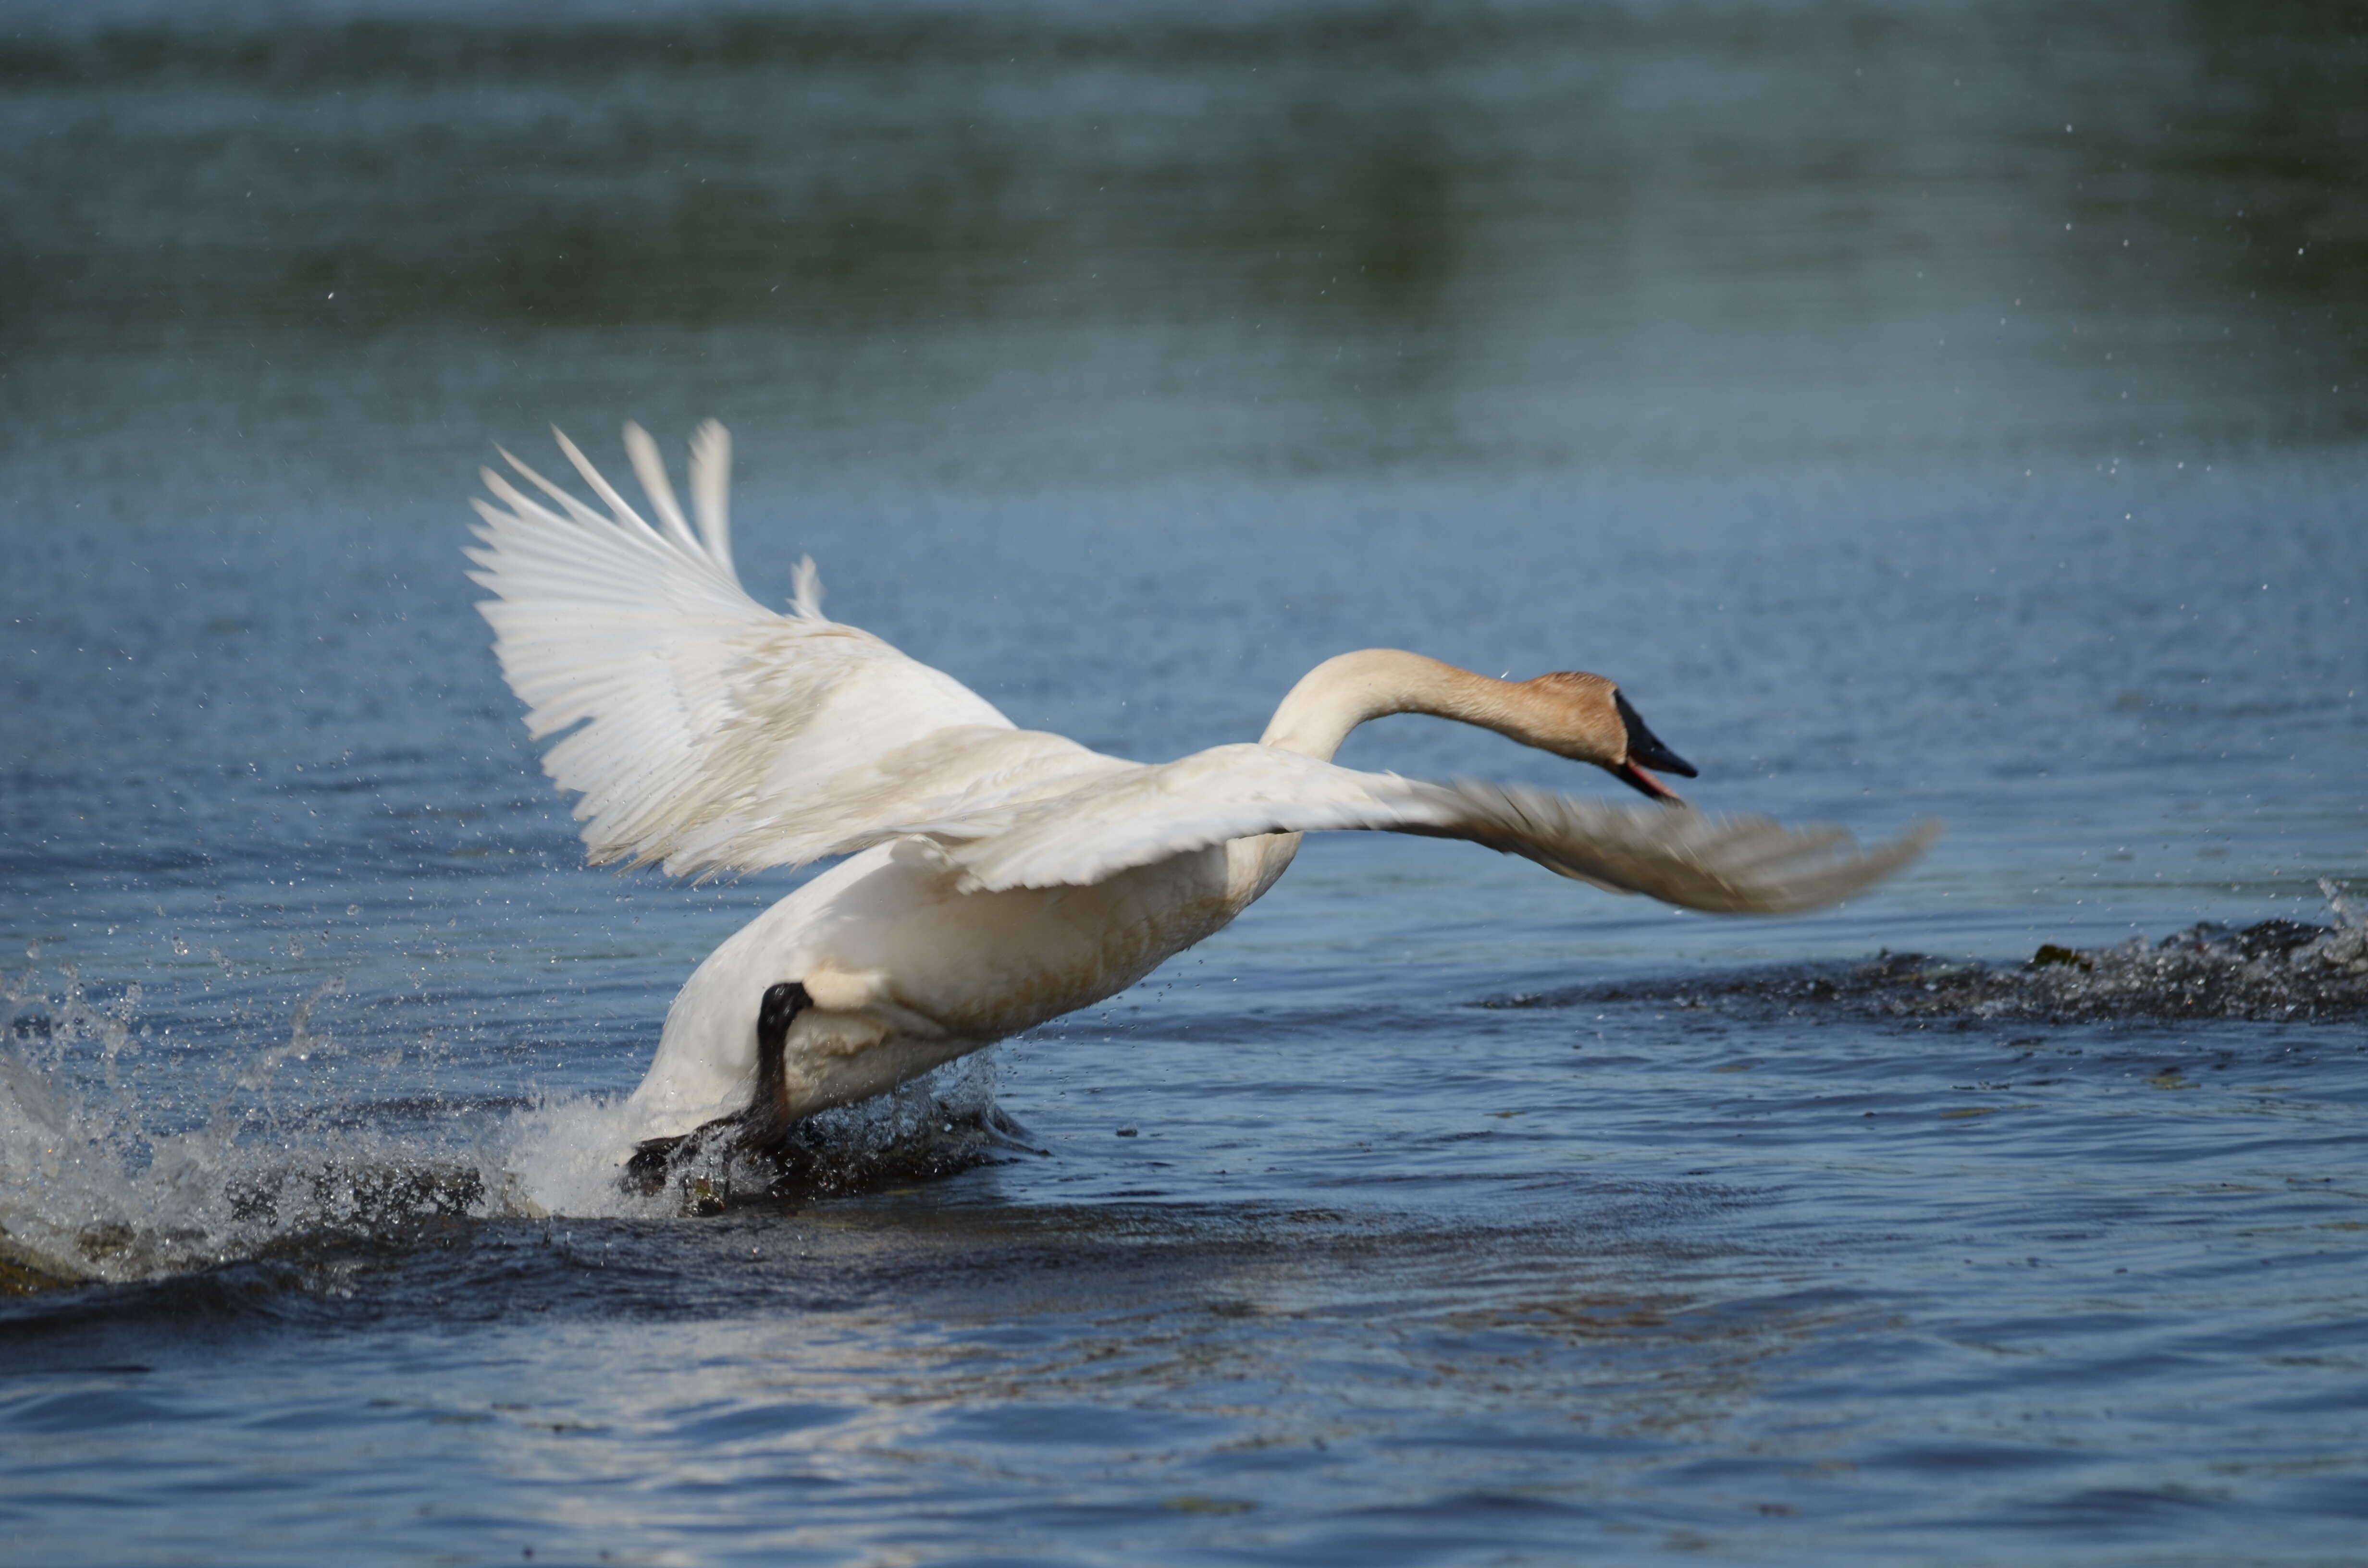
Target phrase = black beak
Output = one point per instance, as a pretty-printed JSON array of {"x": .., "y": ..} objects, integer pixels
[{"x": 1646, "y": 750}]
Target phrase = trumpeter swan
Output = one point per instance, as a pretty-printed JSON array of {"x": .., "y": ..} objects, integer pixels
[{"x": 995, "y": 876}]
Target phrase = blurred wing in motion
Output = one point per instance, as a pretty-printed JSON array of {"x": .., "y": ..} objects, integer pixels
[{"x": 1740, "y": 865}]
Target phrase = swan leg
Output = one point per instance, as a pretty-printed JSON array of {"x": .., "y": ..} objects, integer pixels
[{"x": 761, "y": 1131}]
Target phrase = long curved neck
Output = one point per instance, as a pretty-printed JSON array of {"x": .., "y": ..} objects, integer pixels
[{"x": 1341, "y": 693}]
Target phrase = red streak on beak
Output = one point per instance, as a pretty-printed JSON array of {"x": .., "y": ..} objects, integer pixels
[{"x": 1651, "y": 785}]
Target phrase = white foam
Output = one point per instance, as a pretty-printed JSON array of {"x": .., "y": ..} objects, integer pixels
[{"x": 105, "y": 1182}]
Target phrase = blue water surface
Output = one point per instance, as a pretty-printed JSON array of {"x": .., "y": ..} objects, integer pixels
[{"x": 1922, "y": 411}]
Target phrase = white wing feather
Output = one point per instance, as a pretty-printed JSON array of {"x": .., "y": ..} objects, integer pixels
[
  {"x": 1729, "y": 865},
  {"x": 716, "y": 735}
]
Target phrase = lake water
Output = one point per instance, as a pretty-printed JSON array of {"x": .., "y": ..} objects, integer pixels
[{"x": 1922, "y": 411}]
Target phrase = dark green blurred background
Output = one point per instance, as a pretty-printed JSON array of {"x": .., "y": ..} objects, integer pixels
[{"x": 1042, "y": 239}]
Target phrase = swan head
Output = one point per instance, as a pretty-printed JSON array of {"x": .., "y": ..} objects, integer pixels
[{"x": 1585, "y": 718}]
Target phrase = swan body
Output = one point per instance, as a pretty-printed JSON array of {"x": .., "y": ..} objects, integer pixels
[
  {"x": 908, "y": 972},
  {"x": 993, "y": 878}
]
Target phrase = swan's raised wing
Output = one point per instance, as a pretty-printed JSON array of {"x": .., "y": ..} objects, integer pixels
[
  {"x": 716, "y": 735},
  {"x": 1728, "y": 865}
]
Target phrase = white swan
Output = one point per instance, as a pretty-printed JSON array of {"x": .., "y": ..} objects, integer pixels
[{"x": 995, "y": 877}]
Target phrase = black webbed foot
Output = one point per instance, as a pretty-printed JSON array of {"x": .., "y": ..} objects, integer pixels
[{"x": 760, "y": 1132}]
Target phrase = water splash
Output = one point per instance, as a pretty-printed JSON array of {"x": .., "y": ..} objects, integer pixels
[
  {"x": 2279, "y": 971},
  {"x": 110, "y": 1177},
  {"x": 210, "y": 1158},
  {"x": 2276, "y": 971},
  {"x": 566, "y": 1156},
  {"x": 2347, "y": 917}
]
